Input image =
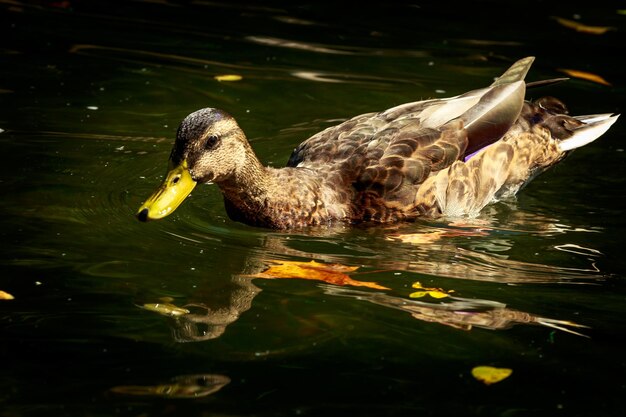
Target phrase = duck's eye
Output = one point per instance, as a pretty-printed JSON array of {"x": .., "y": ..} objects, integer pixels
[{"x": 211, "y": 141}]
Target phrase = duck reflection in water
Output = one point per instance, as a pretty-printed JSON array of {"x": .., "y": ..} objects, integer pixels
[{"x": 209, "y": 314}]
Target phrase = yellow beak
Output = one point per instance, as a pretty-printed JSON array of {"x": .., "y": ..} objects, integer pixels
[{"x": 176, "y": 186}]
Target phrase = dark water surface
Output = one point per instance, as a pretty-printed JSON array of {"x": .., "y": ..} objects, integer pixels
[{"x": 91, "y": 94}]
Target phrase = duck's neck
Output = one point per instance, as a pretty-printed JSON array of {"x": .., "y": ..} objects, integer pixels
[
  {"x": 249, "y": 185},
  {"x": 274, "y": 198}
]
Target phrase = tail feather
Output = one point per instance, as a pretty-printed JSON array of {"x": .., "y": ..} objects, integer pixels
[{"x": 595, "y": 126}]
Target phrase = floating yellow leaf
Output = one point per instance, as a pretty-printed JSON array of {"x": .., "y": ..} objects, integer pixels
[
  {"x": 579, "y": 27},
  {"x": 490, "y": 375},
  {"x": 228, "y": 77},
  {"x": 585, "y": 76},
  {"x": 433, "y": 292},
  {"x": 6, "y": 296},
  {"x": 329, "y": 273}
]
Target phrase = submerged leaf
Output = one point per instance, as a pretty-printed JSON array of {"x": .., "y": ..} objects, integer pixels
[
  {"x": 585, "y": 76},
  {"x": 166, "y": 309},
  {"x": 418, "y": 238},
  {"x": 228, "y": 77},
  {"x": 329, "y": 273},
  {"x": 490, "y": 375},
  {"x": 430, "y": 237},
  {"x": 6, "y": 296},
  {"x": 580, "y": 27},
  {"x": 186, "y": 386}
]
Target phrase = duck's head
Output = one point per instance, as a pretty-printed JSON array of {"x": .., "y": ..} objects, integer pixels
[{"x": 209, "y": 148}]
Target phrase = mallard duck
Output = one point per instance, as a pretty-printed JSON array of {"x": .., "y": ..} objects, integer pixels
[{"x": 439, "y": 157}]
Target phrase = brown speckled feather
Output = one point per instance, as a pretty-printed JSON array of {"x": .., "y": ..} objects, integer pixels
[
  {"x": 379, "y": 164},
  {"x": 429, "y": 158},
  {"x": 529, "y": 148}
]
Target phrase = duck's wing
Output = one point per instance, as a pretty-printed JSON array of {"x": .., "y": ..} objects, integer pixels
[
  {"x": 485, "y": 114},
  {"x": 384, "y": 157}
]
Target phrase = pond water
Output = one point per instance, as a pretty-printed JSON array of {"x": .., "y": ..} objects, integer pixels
[{"x": 114, "y": 317}]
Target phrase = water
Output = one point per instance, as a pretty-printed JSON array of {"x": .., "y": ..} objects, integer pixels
[{"x": 91, "y": 97}]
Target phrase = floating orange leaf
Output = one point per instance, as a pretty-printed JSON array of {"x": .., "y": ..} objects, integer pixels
[
  {"x": 228, "y": 77},
  {"x": 585, "y": 76},
  {"x": 5, "y": 296},
  {"x": 490, "y": 375},
  {"x": 329, "y": 273},
  {"x": 433, "y": 292},
  {"x": 580, "y": 27}
]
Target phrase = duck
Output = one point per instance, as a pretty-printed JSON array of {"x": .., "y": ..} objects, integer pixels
[{"x": 447, "y": 157}]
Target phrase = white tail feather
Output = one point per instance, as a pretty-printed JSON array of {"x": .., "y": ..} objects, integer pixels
[{"x": 596, "y": 125}]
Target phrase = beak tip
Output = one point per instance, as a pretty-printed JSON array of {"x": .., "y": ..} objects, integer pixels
[{"x": 142, "y": 216}]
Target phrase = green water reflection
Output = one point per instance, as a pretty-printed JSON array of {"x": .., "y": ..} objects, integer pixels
[{"x": 91, "y": 95}]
